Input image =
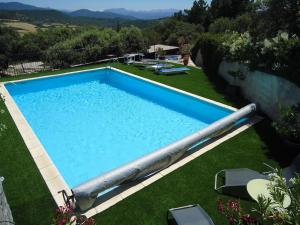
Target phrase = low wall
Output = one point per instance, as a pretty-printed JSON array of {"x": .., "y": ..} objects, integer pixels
[
  {"x": 5, "y": 213},
  {"x": 268, "y": 91}
]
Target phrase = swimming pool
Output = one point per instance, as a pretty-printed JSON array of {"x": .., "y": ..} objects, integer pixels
[{"x": 95, "y": 121}]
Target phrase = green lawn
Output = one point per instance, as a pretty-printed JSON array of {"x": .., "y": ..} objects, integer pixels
[{"x": 32, "y": 204}]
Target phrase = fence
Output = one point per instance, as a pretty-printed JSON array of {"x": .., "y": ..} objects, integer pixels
[{"x": 5, "y": 213}]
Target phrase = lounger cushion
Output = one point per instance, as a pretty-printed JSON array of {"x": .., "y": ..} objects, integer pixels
[
  {"x": 190, "y": 215},
  {"x": 241, "y": 177}
]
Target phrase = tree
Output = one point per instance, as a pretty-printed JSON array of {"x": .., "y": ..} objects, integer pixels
[
  {"x": 283, "y": 15},
  {"x": 8, "y": 45},
  {"x": 132, "y": 39},
  {"x": 229, "y": 8},
  {"x": 172, "y": 31},
  {"x": 198, "y": 14}
]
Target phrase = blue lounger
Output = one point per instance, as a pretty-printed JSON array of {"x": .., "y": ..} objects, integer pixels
[{"x": 173, "y": 70}]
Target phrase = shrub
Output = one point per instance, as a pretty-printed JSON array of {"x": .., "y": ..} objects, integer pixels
[
  {"x": 132, "y": 40},
  {"x": 268, "y": 210},
  {"x": 221, "y": 25},
  {"x": 65, "y": 215},
  {"x": 89, "y": 46},
  {"x": 211, "y": 50},
  {"x": 288, "y": 125},
  {"x": 238, "y": 47},
  {"x": 279, "y": 55},
  {"x": 235, "y": 214},
  {"x": 243, "y": 23}
]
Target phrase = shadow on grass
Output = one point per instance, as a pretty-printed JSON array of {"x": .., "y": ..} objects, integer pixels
[
  {"x": 221, "y": 85},
  {"x": 273, "y": 147}
]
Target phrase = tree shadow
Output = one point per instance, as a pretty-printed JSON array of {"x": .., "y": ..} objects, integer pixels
[
  {"x": 274, "y": 146},
  {"x": 272, "y": 143}
]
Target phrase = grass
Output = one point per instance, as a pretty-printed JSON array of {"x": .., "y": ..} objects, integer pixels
[
  {"x": 21, "y": 27},
  {"x": 31, "y": 202}
]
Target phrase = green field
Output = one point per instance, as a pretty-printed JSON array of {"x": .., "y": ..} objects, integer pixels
[{"x": 32, "y": 203}]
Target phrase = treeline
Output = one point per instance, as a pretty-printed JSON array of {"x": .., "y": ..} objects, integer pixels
[
  {"x": 64, "y": 46},
  {"x": 264, "y": 35},
  {"x": 262, "y": 18},
  {"x": 61, "y": 47}
]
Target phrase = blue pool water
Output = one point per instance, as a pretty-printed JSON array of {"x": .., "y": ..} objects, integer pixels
[{"x": 92, "y": 122}]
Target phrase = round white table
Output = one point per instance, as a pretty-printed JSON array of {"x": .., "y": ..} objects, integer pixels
[{"x": 259, "y": 187}]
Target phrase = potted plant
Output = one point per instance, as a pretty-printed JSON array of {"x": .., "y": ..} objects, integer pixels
[
  {"x": 185, "y": 53},
  {"x": 161, "y": 54},
  {"x": 288, "y": 125}
]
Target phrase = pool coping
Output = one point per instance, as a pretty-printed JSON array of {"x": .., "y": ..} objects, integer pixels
[{"x": 52, "y": 177}]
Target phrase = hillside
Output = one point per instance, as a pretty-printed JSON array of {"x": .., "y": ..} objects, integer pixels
[
  {"x": 108, "y": 18},
  {"x": 40, "y": 17},
  {"x": 144, "y": 15},
  {"x": 17, "y": 6},
  {"x": 100, "y": 15}
]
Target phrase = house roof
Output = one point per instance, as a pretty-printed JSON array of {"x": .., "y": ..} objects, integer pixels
[{"x": 154, "y": 48}]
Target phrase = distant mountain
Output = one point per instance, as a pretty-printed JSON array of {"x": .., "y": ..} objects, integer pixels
[
  {"x": 41, "y": 17},
  {"x": 100, "y": 15},
  {"x": 13, "y": 6},
  {"x": 144, "y": 15}
]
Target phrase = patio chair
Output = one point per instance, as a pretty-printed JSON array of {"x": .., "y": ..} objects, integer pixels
[
  {"x": 234, "y": 181},
  {"x": 159, "y": 66},
  {"x": 188, "y": 215},
  {"x": 177, "y": 70}
]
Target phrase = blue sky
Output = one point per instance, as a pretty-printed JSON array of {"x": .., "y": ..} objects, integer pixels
[{"x": 105, "y": 4}]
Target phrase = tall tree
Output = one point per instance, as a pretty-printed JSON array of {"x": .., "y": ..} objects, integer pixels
[
  {"x": 8, "y": 45},
  {"x": 199, "y": 13},
  {"x": 283, "y": 15},
  {"x": 229, "y": 8}
]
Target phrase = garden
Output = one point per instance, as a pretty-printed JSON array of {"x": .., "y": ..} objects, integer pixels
[{"x": 259, "y": 36}]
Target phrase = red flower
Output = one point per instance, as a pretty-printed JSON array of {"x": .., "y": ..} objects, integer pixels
[
  {"x": 63, "y": 222},
  {"x": 248, "y": 219},
  {"x": 231, "y": 219},
  {"x": 234, "y": 205},
  {"x": 220, "y": 206}
]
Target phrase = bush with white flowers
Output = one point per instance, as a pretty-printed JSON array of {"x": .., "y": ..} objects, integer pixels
[
  {"x": 237, "y": 47},
  {"x": 275, "y": 52},
  {"x": 279, "y": 55}
]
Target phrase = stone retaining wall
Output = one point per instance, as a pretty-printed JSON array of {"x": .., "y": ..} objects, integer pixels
[
  {"x": 5, "y": 213},
  {"x": 270, "y": 92}
]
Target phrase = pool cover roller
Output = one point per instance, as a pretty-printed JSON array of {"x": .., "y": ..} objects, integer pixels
[{"x": 86, "y": 193}]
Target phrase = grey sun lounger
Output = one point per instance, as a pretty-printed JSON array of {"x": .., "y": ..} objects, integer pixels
[
  {"x": 188, "y": 215},
  {"x": 159, "y": 66},
  {"x": 234, "y": 181},
  {"x": 173, "y": 70}
]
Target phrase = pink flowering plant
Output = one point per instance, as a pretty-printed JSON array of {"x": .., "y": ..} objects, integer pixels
[
  {"x": 65, "y": 215},
  {"x": 235, "y": 214}
]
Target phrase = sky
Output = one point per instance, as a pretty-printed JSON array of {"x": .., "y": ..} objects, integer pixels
[{"x": 106, "y": 4}]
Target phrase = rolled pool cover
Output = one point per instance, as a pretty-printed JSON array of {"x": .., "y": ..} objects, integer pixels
[{"x": 86, "y": 193}]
